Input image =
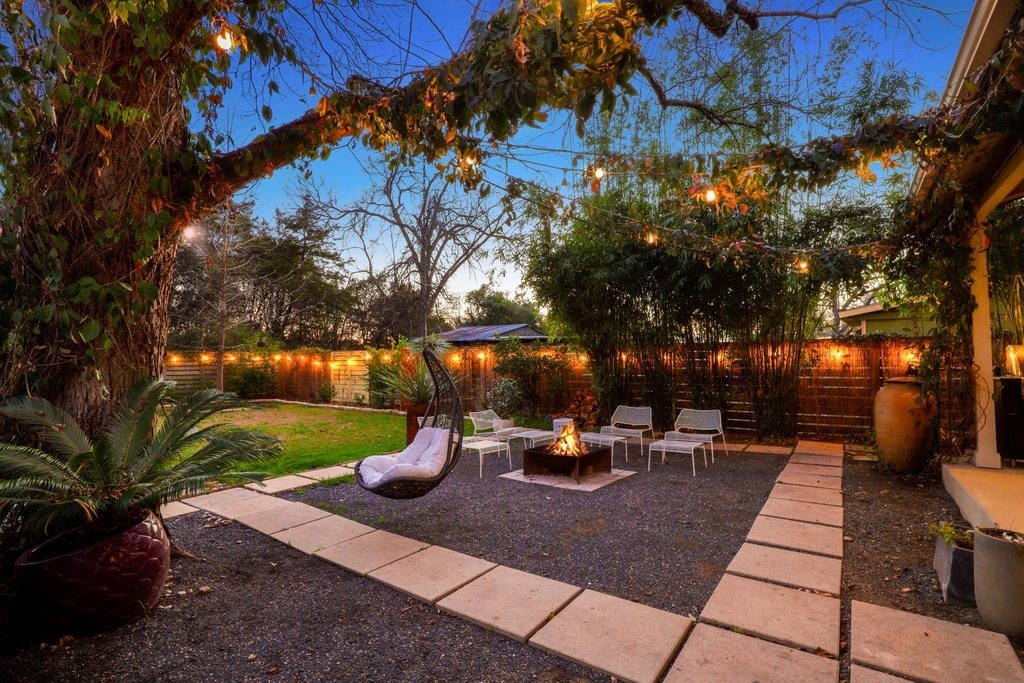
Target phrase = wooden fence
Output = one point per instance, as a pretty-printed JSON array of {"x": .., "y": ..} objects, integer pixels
[{"x": 838, "y": 380}]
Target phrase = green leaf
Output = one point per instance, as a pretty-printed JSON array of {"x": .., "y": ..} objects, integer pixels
[{"x": 90, "y": 330}]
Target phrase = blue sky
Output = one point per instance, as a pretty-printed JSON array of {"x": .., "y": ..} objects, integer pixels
[{"x": 440, "y": 24}]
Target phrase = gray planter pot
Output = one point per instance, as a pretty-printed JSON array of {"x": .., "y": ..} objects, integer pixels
[
  {"x": 999, "y": 579},
  {"x": 955, "y": 566}
]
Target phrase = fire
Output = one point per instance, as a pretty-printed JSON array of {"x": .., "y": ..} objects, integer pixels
[{"x": 568, "y": 442}]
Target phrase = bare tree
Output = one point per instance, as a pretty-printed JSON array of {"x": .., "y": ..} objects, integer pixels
[{"x": 416, "y": 228}]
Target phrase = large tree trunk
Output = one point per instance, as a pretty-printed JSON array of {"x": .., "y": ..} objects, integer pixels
[{"x": 98, "y": 238}]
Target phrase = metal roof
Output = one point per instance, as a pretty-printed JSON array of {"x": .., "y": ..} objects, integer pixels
[{"x": 492, "y": 333}]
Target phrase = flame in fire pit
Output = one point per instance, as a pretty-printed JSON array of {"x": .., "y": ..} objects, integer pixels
[{"x": 568, "y": 442}]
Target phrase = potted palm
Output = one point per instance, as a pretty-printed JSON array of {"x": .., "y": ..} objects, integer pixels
[
  {"x": 94, "y": 503},
  {"x": 411, "y": 385}
]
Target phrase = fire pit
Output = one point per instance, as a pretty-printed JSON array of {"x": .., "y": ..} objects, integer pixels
[{"x": 567, "y": 455}]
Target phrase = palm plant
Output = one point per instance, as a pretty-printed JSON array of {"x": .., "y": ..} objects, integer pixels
[
  {"x": 142, "y": 458},
  {"x": 411, "y": 382}
]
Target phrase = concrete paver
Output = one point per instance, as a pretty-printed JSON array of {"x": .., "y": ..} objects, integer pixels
[
  {"x": 811, "y": 459},
  {"x": 767, "y": 450},
  {"x": 621, "y": 638},
  {"x": 322, "y": 533},
  {"x": 786, "y": 533},
  {"x": 819, "y": 470},
  {"x": 328, "y": 472},
  {"x": 927, "y": 649},
  {"x": 819, "y": 448},
  {"x": 714, "y": 654},
  {"x": 246, "y": 506},
  {"x": 510, "y": 601},
  {"x": 830, "y": 515},
  {"x": 862, "y": 674},
  {"x": 807, "y": 494},
  {"x": 280, "y": 518},
  {"x": 363, "y": 554},
  {"x": 815, "y": 480},
  {"x": 588, "y": 482},
  {"x": 176, "y": 508},
  {"x": 210, "y": 501},
  {"x": 278, "y": 484},
  {"x": 788, "y": 567},
  {"x": 785, "y": 615},
  {"x": 432, "y": 573}
]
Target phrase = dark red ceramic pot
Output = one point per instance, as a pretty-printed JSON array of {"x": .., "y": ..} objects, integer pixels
[{"x": 85, "y": 577}]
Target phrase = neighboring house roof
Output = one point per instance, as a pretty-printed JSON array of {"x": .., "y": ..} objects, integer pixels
[
  {"x": 874, "y": 318},
  {"x": 492, "y": 333}
]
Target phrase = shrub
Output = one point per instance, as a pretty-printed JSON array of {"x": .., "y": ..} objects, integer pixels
[
  {"x": 326, "y": 392},
  {"x": 251, "y": 381},
  {"x": 505, "y": 397}
]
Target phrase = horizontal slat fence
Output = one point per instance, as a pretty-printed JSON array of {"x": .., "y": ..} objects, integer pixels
[{"x": 837, "y": 386}]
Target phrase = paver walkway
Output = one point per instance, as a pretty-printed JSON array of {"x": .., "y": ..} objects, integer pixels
[{"x": 773, "y": 617}]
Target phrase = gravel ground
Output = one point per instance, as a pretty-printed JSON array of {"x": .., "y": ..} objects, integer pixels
[{"x": 662, "y": 539}]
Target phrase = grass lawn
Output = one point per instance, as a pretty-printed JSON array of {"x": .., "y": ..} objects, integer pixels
[{"x": 314, "y": 436}]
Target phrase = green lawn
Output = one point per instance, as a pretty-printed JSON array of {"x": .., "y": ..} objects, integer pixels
[{"x": 315, "y": 437}]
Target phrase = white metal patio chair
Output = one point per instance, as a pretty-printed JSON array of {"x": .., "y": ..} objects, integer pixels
[
  {"x": 699, "y": 425},
  {"x": 631, "y": 421},
  {"x": 487, "y": 423}
]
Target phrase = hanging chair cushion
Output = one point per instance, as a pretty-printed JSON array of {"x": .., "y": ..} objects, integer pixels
[{"x": 424, "y": 458}]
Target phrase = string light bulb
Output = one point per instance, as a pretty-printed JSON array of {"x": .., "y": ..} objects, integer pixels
[
  {"x": 224, "y": 40},
  {"x": 598, "y": 172},
  {"x": 189, "y": 233},
  {"x": 710, "y": 195}
]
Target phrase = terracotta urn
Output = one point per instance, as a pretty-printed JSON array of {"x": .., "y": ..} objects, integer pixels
[{"x": 902, "y": 424}]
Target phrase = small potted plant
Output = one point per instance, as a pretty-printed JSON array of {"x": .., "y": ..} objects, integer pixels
[
  {"x": 999, "y": 579},
  {"x": 954, "y": 562},
  {"x": 94, "y": 502}
]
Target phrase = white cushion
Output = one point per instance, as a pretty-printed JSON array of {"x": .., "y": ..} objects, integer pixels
[
  {"x": 428, "y": 463},
  {"x": 419, "y": 444},
  {"x": 502, "y": 424},
  {"x": 372, "y": 467}
]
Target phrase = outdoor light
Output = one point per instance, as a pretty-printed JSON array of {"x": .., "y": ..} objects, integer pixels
[
  {"x": 189, "y": 233},
  {"x": 224, "y": 40},
  {"x": 174, "y": 359},
  {"x": 1014, "y": 356},
  {"x": 599, "y": 172},
  {"x": 652, "y": 239},
  {"x": 802, "y": 266},
  {"x": 710, "y": 196},
  {"x": 481, "y": 355}
]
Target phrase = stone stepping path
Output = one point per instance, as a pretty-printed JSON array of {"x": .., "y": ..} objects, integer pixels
[
  {"x": 927, "y": 649},
  {"x": 786, "y": 533},
  {"x": 279, "y": 484},
  {"x": 788, "y": 568},
  {"x": 510, "y": 601},
  {"x": 624, "y": 639},
  {"x": 773, "y": 617},
  {"x": 788, "y": 616},
  {"x": 714, "y": 654},
  {"x": 830, "y": 515}
]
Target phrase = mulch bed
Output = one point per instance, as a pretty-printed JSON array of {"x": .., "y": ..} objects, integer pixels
[{"x": 662, "y": 539}]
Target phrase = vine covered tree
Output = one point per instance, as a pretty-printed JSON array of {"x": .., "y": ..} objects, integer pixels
[{"x": 110, "y": 144}]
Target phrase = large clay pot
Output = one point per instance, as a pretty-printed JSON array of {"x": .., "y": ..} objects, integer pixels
[
  {"x": 999, "y": 579},
  {"x": 83, "y": 577},
  {"x": 902, "y": 425},
  {"x": 413, "y": 413}
]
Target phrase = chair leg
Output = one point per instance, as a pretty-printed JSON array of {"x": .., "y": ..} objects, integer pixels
[
  {"x": 705, "y": 452},
  {"x": 481, "y": 452},
  {"x": 725, "y": 444},
  {"x": 693, "y": 460},
  {"x": 648, "y": 458},
  {"x": 508, "y": 451}
]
